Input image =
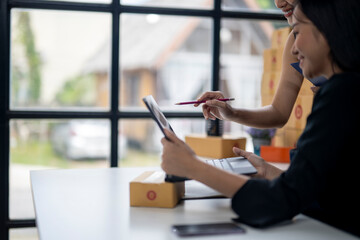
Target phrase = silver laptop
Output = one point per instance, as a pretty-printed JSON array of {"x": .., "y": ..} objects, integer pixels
[{"x": 238, "y": 165}]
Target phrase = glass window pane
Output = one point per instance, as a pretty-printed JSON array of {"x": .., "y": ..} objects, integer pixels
[
  {"x": 242, "y": 45},
  {"x": 143, "y": 139},
  {"x": 55, "y": 60},
  {"x": 200, "y": 4},
  {"x": 24, "y": 234},
  {"x": 166, "y": 56},
  {"x": 43, "y": 144},
  {"x": 250, "y": 5}
]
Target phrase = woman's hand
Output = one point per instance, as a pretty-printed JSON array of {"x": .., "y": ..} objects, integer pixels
[
  {"x": 254, "y": 159},
  {"x": 264, "y": 169},
  {"x": 213, "y": 109},
  {"x": 177, "y": 157}
]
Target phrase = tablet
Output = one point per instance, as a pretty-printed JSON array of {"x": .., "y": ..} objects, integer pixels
[
  {"x": 162, "y": 122},
  {"x": 189, "y": 230}
]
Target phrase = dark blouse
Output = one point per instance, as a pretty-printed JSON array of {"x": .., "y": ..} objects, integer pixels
[{"x": 323, "y": 179}]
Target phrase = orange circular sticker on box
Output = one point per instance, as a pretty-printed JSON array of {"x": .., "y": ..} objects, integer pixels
[
  {"x": 271, "y": 84},
  {"x": 151, "y": 195},
  {"x": 298, "y": 111}
]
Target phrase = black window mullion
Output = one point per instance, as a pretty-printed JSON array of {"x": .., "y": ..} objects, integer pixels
[
  {"x": 56, "y": 114},
  {"x": 166, "y": 11},
  {"x": 216, "y": 46},
  {"x": 58, "y": 5},
  {"x": 253, "y": 15},
  {"x": 21, "y": 223},
  {"x": 168, "y": 114},
  {"x": 4, "y": 121},
  {"x": 114, "y": 86}
]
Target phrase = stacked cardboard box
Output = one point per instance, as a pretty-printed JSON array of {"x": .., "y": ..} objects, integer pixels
[
  {"x": 289, "y": 134},
  {"x": 214, "y": 147}
]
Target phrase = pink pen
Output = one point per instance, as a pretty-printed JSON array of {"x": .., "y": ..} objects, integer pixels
[{"x": 198, "y": 102}]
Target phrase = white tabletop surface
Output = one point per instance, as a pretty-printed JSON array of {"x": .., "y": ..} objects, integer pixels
[{"x": 94, "y": 204}]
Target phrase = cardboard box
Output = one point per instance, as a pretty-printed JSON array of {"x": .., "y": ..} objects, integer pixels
[
  {"x": 275, "y": 154},
  {"x": 270, "y": 82},
  {"x": 279, "y": 138},
  {"x": 300, "y": 112},
  {"x": 266, "y": 99},
  {"x": 306, "y": 88},
  {"x": 150, "y": 190},
  {"x": 288, "y": 138},
  {"x": 291, "y": 137},
  {"x": 214, "y": 147},
  {"x": 273, "y": 59},
  {"x": 278, "y": 141},
  {"x": 279, "y": 37}
]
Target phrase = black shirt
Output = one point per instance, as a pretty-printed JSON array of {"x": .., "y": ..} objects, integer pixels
[{"x": 323, "y": 178}]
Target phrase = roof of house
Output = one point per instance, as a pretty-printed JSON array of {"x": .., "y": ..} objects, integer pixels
[{"x": 147, "y": 41}]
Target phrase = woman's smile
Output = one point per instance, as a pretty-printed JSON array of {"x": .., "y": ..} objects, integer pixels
[{"x": 288, "y": 13}]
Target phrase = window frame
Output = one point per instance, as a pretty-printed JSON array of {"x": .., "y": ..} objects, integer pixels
[{"x": 115, "y": 114}]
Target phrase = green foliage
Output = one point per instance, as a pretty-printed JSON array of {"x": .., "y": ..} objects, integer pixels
[
  {"x": 269, "y": 4},
  {"x": 135, "y": 158},
  {"x": 36, "y": 153},
  {"x": 78, "y": 91},
  {"x": 266, "y": 4},
  {"x": 29, "y": 71}
]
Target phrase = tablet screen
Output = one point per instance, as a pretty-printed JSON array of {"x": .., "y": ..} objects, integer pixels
[
  {"x": 156, "y": 113},
  {"x": 162, "y": 122}
]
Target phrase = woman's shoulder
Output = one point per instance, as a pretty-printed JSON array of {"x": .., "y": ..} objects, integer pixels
[
  {"x": 343, "y": 81},
  {"x": 340, "y": 89},
  {"x": 350, "y": 76}
]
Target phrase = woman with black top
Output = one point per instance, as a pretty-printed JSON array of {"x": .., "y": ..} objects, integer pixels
[{"x": 323, "y": 178}]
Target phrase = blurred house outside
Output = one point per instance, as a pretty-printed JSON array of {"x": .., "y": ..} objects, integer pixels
[{"x": 159, "y": 52}]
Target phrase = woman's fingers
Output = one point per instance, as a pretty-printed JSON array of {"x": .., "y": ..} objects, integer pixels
[
  {"x": 170, "y": 135},
  {"x": 241, "y": 153}
]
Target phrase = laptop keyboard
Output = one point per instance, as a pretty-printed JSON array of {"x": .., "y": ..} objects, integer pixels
[
  {"x": 238, "y": 165},
  {"x": 220, "y": 163}
]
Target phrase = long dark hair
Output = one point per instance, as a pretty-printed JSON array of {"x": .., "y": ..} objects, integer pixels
[{"x": 339, "y": 21}]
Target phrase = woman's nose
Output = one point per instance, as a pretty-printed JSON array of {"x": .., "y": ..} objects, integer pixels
[
  {"x": 294, "y": 50},
  {"x": 280, "y": 3}
]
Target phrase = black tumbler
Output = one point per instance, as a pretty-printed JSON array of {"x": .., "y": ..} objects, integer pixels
[{"x": 214, "y": 127}]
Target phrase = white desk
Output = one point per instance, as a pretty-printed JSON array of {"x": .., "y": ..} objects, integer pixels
[{"x": 94, "y": 204}]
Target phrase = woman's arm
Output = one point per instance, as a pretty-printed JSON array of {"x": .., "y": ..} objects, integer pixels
[
  {"x": 178, "y": 159},
  {"x": 274, "y": 115},
  {"x": 289, "y": 85}
]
